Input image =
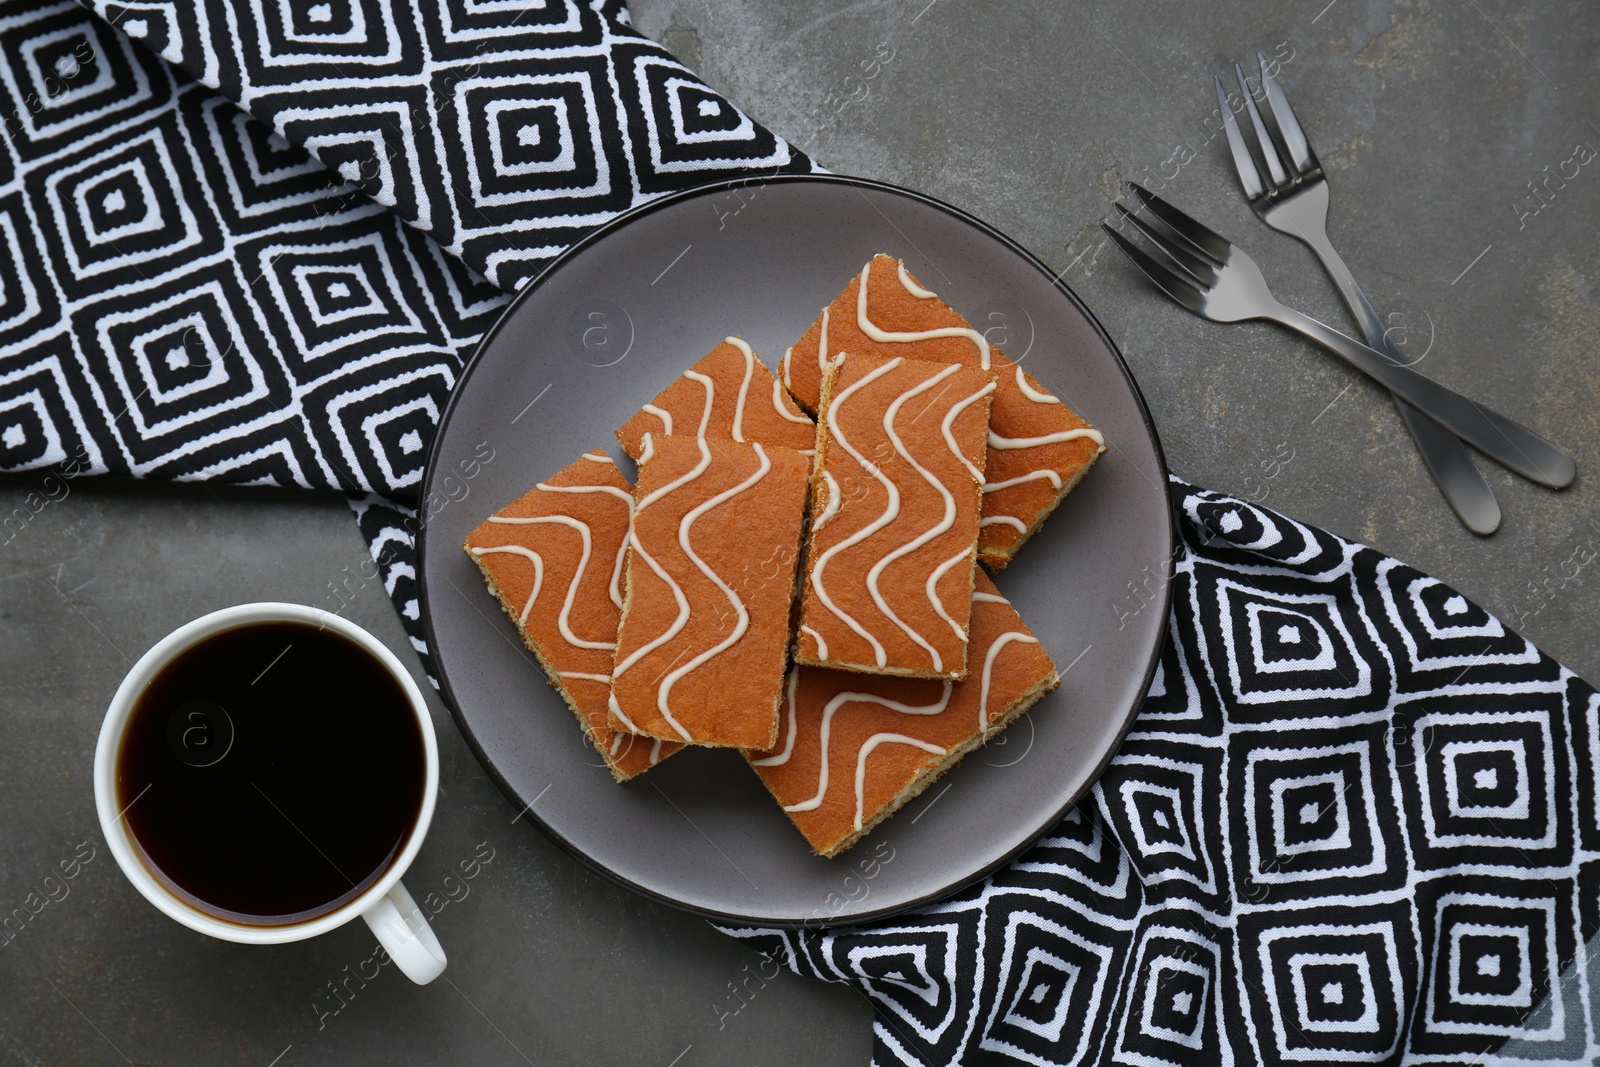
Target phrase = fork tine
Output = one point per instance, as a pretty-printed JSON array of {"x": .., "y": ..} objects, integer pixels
[
  {"x": 1294, "y": 138},
  {"x": 1269, "y": 151},
  {"x": 1195, "y": 267},
  {"x": 1249, "y": 176},
  {"x": 1211, "y": 244},
  {"x": 1166, "y": 280}
]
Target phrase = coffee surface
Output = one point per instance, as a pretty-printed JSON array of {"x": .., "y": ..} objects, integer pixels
[{"x": 271, "y": 772}]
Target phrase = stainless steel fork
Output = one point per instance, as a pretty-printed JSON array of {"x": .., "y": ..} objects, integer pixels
[
  {"x": 1292, "y": 198},
  {"x": 1216, "y": 280}
]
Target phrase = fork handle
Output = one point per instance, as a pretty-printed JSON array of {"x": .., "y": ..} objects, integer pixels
[
  {"x": 1372, "y": 327},
  {"x": 1445, "y": 456},
  {"x": 1450, "y": 462},
  {"x": 1501, "y": 439}
]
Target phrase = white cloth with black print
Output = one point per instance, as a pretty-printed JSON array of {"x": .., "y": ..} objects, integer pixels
[
  {"x": 253, "y": 242},
  {"x": 1356, "y": 821}
]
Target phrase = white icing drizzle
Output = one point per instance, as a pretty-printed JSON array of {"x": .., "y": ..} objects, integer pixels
[
  {"x": 839, "y": 701},
  {"x": 822, "y": 646},
  {"x": 585, "y": 676},
  {"x": 943, "y": 526},
  {"x": 866, "y": 750},
  {"x": 664, "y": 692},
  {"x": 988, "y": 668},
  {"x": 1049, "y": 476},
  {"x": 598, "y": 457},
  {"x": 711, "y": 396},
  {"x": 538, "y": 571},
  {"x": 888, "y": 337},
  {"x": 647, "y": 448},
  {"x": 996, "y": 441},
  {"x": 621, "y": 494},
  {"x": 677, "y": 591},
  {"x": 681, "y": 480},
  {"x": 663, "y": 415},
  {"x": 618, "y": 738},
  {"x": 616, "y": 709},
  {"x": 933, "y": 589},
  {"x": 1031, "y": 393},
  {"x": 777, "y": 403},
  {"x": 949, "y": 420},
  {"x": 788, "y": 377},
  {"x": 867, "y": 747},
  {"x": 577, "y": 576},
  {"x": 794, "y": 727},
  {"x": 912, "y": 287},
  {"x": 988, "y": 598},
  {"x": 616, "y": 574},
  {"x": 822, "y": 343},
  {"x": 891, "y": 509},
  {"x": 744, "y": 387},
  {"x": 831, "y": 508}
]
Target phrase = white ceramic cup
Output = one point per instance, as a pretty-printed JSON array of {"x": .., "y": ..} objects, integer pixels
[{"x": 401, "y": 927}]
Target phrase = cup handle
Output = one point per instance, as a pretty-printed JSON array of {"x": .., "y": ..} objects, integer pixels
[{"x": 405, "y": 935}]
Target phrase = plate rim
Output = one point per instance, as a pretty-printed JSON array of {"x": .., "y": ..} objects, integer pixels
[{"x": 430, "y": 469}]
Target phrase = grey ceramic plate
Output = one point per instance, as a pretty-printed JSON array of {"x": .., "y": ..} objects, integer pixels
[{"x": 609, "y": 325}]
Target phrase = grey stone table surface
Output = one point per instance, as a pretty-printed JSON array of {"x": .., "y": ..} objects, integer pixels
[{"x": 1451, "y": 134}]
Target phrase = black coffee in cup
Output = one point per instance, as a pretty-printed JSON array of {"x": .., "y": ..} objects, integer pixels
[{"x": 270, "y": 773}]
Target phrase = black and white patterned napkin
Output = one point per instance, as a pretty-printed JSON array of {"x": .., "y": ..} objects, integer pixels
[
  {"x": 253, "y": 240},
  {"x": 1356, "y": 821}
]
